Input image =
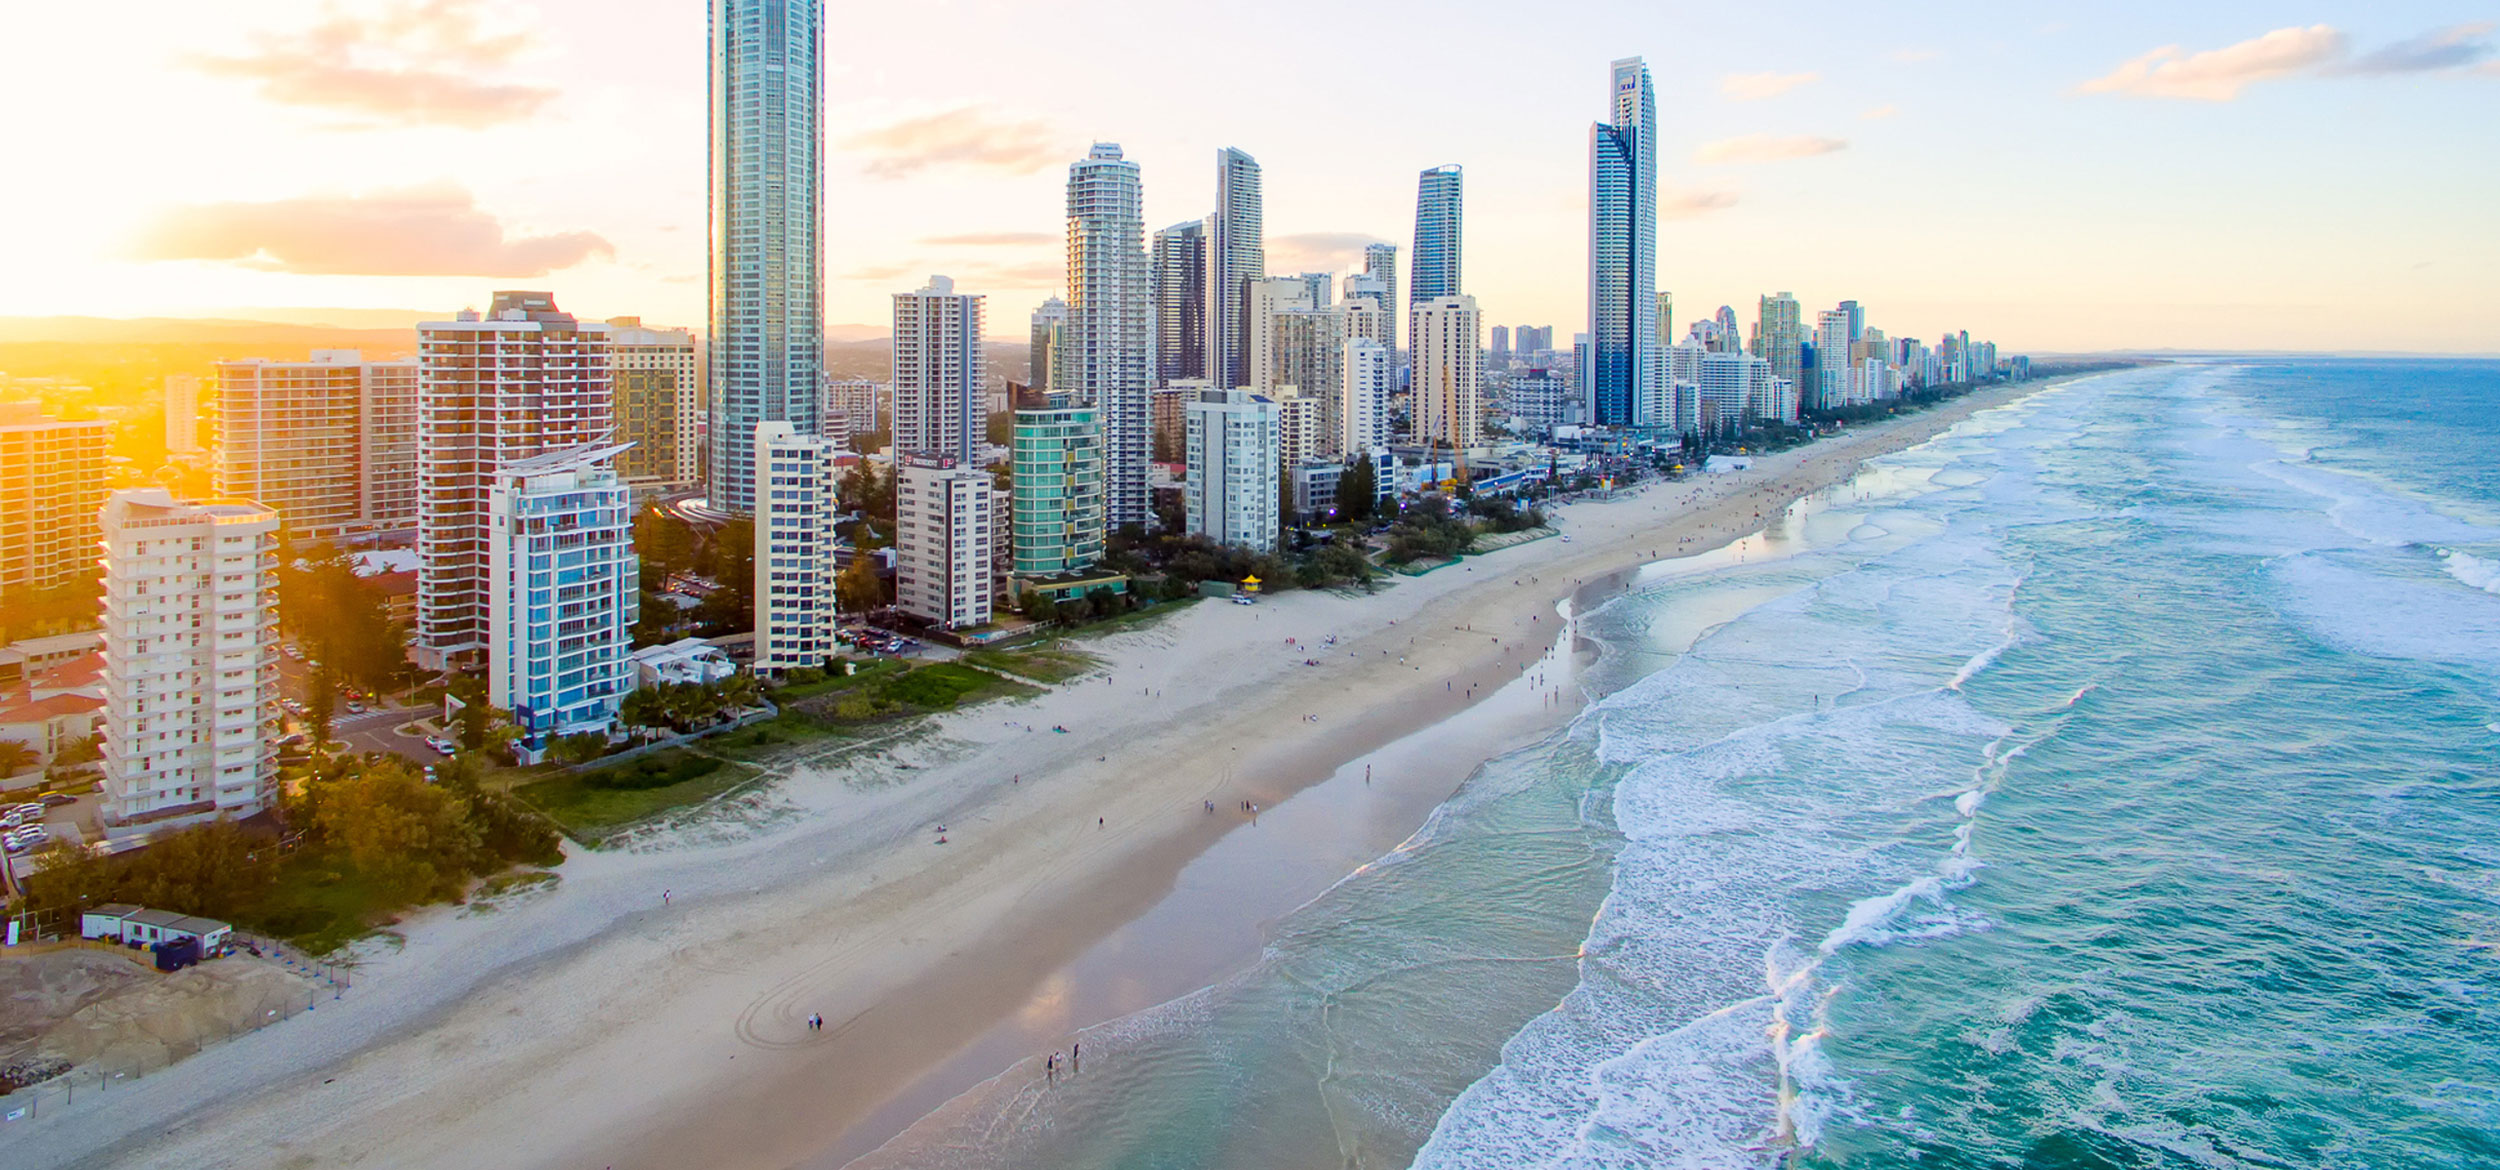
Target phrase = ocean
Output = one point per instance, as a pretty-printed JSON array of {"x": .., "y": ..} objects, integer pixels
[{"x": 2113, "y": 781}]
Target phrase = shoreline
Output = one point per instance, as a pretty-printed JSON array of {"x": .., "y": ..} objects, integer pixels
[{"x": 594, "y": 1024}]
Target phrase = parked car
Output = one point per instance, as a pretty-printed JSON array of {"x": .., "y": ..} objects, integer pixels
[
  {"x": 57, "y": 799},
  {"x": 356, "y": 708},
  {"x": 36, "y": 834},
  {"x": 440, "y": 744}
]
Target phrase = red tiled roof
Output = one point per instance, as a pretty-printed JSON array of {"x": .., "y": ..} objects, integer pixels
[{"x": 44, "y": 709}]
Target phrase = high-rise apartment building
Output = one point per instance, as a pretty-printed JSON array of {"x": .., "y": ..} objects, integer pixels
[
  {"x": 795, "y": 567},
  {"x": 1538, "y": 397},
  {"x": 1368, "y": 310},
  {"x": 330, "y": 443},
  {"x": 1236, "y": 256},
  {"x": 1779, "y": 326},
  {"x": 1623, "y": 254},
  {"x": 1235, "y": 468},
  {"x": 860, "y": 401},
  {"x": 945, "y": 550},
  {"x": 1111, "y": 323},
  {"x": 1831, "y": 358},
  {"x": 767, "y": 264},
  {"x": 1439, "y": 224},
  {"x": 659, "y": 402},
  {"x": 1180, "y": 300},
  {"x": 1380, "y": 262},
  {"x": 182, "y": 414},
  {"x": 51, "y": 483},
  {"x": 1449, "y": 372},
  {"x": 1056, "y": 508},
  {"x": 190, "y": 659},
  {"x": 938, "y": 373},
  {"x": 1533, "y": 338},
  {"x": 564, "y": 590},
  {"x": 1501, "y": 342},
  {"x": 1050, "y": 329},
  {"x": 1370, "y": 379},
  {"x": 521, "y": 380}
]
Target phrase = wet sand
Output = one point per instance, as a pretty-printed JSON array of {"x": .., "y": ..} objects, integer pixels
[{"x": 596, "y": 1027}]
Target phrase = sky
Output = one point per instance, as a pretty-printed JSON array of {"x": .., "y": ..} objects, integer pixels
[{"x": 2057, "y": 177}]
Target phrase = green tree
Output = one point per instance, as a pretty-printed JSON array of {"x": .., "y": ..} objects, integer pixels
[
  {"x": 1356, "y": 489},
  {"x": 858, "y": 589},
  {"x": 413, "y": 842},
  {"x": 321, "y": 705},
  {"x": 15, "y": 757},
  {"x": 1040, "y": 607}
]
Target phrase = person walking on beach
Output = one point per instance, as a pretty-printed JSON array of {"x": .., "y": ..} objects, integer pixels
[{"x": 664, "y": 897}]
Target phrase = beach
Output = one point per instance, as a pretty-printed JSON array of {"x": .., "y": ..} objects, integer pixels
[{"x": 602, "y": 1025}]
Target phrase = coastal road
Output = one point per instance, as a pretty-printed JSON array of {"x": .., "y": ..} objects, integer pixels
[{"x": 377, "y": 731}]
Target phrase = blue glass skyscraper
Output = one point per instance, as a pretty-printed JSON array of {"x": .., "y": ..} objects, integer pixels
[
  {"x": 1438, "y": 224},
  {"x": 766, "y": 213},
  {"x": 1621, "y": 380}
]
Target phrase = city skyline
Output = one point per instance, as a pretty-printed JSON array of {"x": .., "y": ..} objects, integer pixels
[{"x": 2075, "y": 158}]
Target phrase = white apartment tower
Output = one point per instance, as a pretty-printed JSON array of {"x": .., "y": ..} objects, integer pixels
[
  {"x": 330, "y": 442},
  {"x": 1371, "y": 377},
  {"x": 1235, "y": 464},
  {"x": 1110, "y": 334},
  {"x": 190, "y": 659},
  {"x": 517, "y": 382},
  {"x": 945, "y": 546},
  {"x": 1449, "y": 371},
  {"x": 564, "y": 590},
  {"x": 795, "y": 545},
  {"x": 938, "y": 372}
]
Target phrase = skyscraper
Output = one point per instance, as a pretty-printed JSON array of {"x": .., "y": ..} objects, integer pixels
[
  {"x": 1180, "y": 297},
  {"x": 938, "y": 372},
  {"x": 1779, "y": 325},
  {"x": 1438, "y": 234},
  {"x": 1111, "y": 323},
  {"x": 1370, "y": 375},
  {"x": 658, "y": 395},
  {"x": 1235, "y": 463},
  {"x": 1380, "y": 262},
  {"x": 1050, "y": 327},
  {"x": 565, "y": 590},
  {"x": 190, "y": 662},
  {"x": 1236, "y": 255},
  {"x": 330, "y": 443},
  {"x": 795, "y": 542},
  {"x": 524, "y": 380},
  {"x": 945, "y": 550},
  {"x": 51, "y": 483},
  {"x": 767, "y": 268},
  {"x": 182, "y": 413},
  {"x": 1623, "y": 255},
  {"x": 1449, "y": 370}
]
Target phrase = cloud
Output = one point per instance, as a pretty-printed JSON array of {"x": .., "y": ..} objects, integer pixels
[
  {"x": 404, "y": 63},
  {"x": 2218, "y": 75},
  {"x": 421, "y": 231},
  {"x": 1317, "y": 251},
  {"x": 1883, "y": 111},
  {"x": 1753, "y": 87},
  {"x": 1693, "y": 204},
  {"x": 993, "y": 240},
  {"x": 2454, "y": 47},
  {"x": 1754, "y": 148},
  {"x": 962, "y": 137}
]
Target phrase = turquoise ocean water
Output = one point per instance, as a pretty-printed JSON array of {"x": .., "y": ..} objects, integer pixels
[{"x": 2111, "y": 782}]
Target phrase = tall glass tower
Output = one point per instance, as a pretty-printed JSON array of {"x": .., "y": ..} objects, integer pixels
[
  {"x": 1236, "y": 255},
  {"x": 1380, "y": 262},
  {"x": 1435, "y": 265},
  {"x": 1110, "y": 336},
  {"x": 767, "y": 288},
  {"x": 1180, "y": 296},
  {"x": 1622, "y": 381}
]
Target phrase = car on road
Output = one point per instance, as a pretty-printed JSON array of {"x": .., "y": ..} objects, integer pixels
[
  {"x": 57, "y": 799},
  {"x": 292, "y": 652},
  {"x": 440, "y": 744},
  {"x": 356, "y": 708}
]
